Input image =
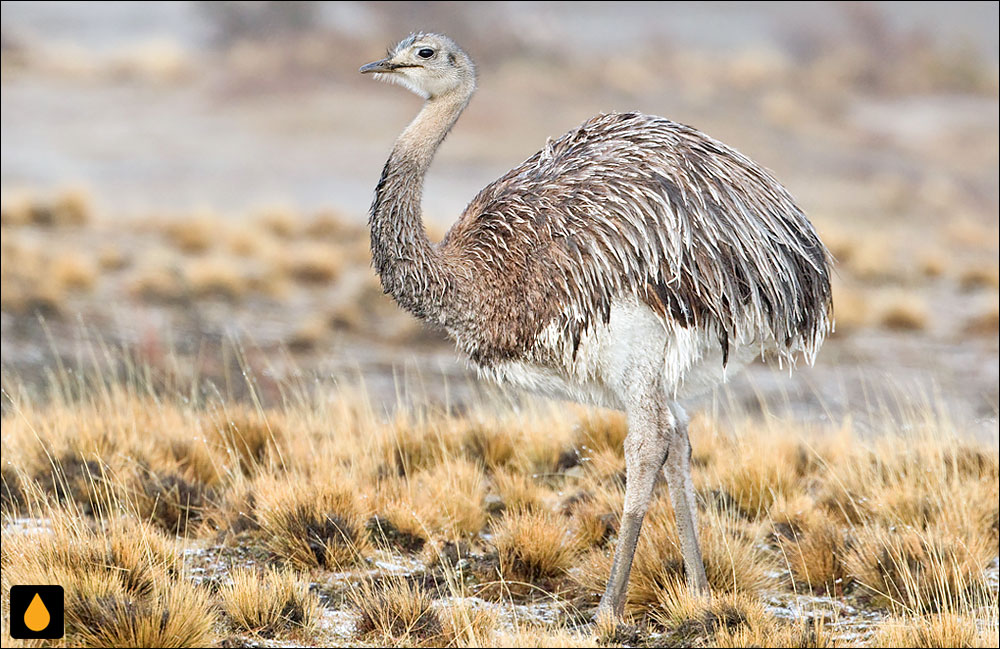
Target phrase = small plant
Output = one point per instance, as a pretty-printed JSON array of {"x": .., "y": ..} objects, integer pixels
[
  {"x": 814, "y": 546},
  {"x": 942, "y": 630},
  {"x": 313, "y": 525},
  {"x": 923, "y": 571},
  {"x": 533, "y": 546},
  {"x": 268, "y": 603},
  {"x": 396, "y": 612}
]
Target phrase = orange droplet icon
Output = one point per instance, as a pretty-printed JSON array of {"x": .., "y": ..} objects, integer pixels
[{"x": 36, "y": 617}]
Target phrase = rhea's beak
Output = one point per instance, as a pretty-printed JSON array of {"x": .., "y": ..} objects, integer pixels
[{"x": 385, "y": 65}]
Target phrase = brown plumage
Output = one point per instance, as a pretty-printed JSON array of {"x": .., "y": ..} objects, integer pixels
[
  {"x": 629, "y": 204},
  {"x": 626, "y": 261}
]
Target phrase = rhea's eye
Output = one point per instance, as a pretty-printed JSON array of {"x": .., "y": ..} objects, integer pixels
[{"x": 425, "y": 53}]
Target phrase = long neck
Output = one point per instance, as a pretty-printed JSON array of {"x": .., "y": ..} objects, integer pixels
[{"x": 411, "y": 268}]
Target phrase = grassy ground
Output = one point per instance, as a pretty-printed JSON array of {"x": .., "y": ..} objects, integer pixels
[{"x": 174, "y": 516}]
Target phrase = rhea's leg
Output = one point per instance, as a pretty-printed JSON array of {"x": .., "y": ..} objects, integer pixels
[
  {"x": 645, "y": 450},
  {"x": 677, "y": 469}
]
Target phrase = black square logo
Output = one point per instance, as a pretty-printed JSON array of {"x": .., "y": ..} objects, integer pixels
[{"x": 36, "y": 612}]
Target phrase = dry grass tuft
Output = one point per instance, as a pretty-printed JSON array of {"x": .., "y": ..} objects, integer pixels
[
  {"x": 873, "y": 259},
  {"x": 178, "y": 617},
  {"x": 466, "y": 623},
  {"x": 110, "y": 257},
  {"x": 933, "y": 262},
  {"x": 754, "y": 468},
  {"x": 122, "y": 580},
  {"x": 41, "y": 279},
  {"x": 412, "y": 444},
  {"x": 449, "y": 498},
  {"x": 601, "y": 430},
  {"x": 73, "y": 271},
  {"x": 69, "y": 207},
  {"x": 330, "y": 224},
  {"x": 194, "y": 234},
  {"x": 159, "y": 279},
  {"x": 268, "y": 603},
  {"x": 943, "y": 630},
  {"x": 397, "y": 525},
  {"x": 690, "y": 619},
  {"x": 251, "y": 440},
  {"x": 850, "y": 307},
  {"x": 730, "y": 620},
  {"x": 314, "y": 263},
  {"x": 977, "y": 277},
  {"x": 215, "y": 277},
  {"x": 517, "y": 491},
  {"x": 280, "y": 221},
  {"x": 593, "y": 524},
  {"x": 396, "y": 612},
  {"x": 533, "y": 546},
  {"x": 542, "y": 638},
  {"x": 170, "y": 500},
  {"x": 904, "y": 312},
  {"x": 812, "y": 544},
  {"x": 15, "y": 210},
  {"x": 920, "y": 571},
  {"x": 986, "y": 322},
  {"x": 313, "y": 524},
  {"x": 309, "y": 334},
  {"x": 492, "y": 446}
]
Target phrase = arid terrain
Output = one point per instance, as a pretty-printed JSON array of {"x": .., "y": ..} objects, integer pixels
[{"x": 196, "y": 352}]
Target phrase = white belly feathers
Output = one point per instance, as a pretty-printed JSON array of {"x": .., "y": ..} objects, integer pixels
[{"x": 629, "y": 351}]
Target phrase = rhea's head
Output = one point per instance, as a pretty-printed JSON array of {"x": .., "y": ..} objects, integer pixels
[{"x": 430, "y": 65}]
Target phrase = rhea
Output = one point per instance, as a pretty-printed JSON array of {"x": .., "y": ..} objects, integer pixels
[{"x": 631, "y": 263}]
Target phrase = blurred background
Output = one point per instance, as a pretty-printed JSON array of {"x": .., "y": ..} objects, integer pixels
[{"x": 183, "y": 178}]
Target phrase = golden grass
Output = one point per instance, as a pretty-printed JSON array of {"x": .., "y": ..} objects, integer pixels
[
  {"x": 169, "y": 500},
  {"x": 313, "y": 263},
  {"x": 449, "y": 497},
  {"x": 938, "y": 631},
  {"x": 74, "y": 271},
  {"x": 543, "y": 638},
  {"x": 194, "y": 234},
  {"x": 179, "y": 617},
  {"x": 310, "y": 333},
  {"x": 922, "y": 571},
  {"x": 932, "y": 262},
  {"x": 899, "y": 522},
  {"x": 983, "y": 276},
  {"x": 986, "y": 322},
  {"x": 851, "y": 308},
  {"x": 731, "y": 620},
  {"x": 68, "y": 207},
  {"x": 466, "y": 625},
  {"x": 111, "y": 257},
  {"x": 269, "y": 603},
  {"x": 313, "y": 524},
  {"x": 122, "y": 579},
  {"x": 904, "y": 312},
  {"x": 533, "y": 546},
  {"x": 158, "y": 278},
  {"x": 215, "y": 277},
  {"x": 813, "y": 545},
  {"x": 517, "y": 490},
  {"x": 281, "y": 221},
  {"x": 42, "y": 279},
  {"x": 396, "y": 612}
]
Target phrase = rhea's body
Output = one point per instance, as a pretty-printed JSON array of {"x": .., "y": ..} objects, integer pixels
[
  {"x": 629, "y": 263},
  {"x": 619, "y": 239}
]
